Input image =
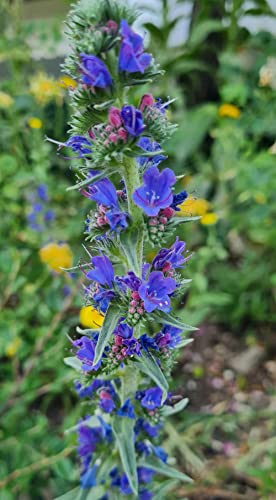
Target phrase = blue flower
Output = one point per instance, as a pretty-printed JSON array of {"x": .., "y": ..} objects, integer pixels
[
  {"x": 42, "y": 192},
  {"x": 131, "y": 281},
  {"x": 151, "y": 398},
  {"x": 104, "y": 193},
  {"x": 172, "y": 256},
  {"x": 86, "y": 353},
  {"x": 151, "y": 146},
  {"x": 87, "y": 439},
  {"x": 94, "y": 71},
  {"x": 106, "y": 402},
  {"x": 145, "y": 495},
  {"x": 103, "y": 271},
  {"x": 155, "y": 192},
  {"x": 124, "y": 485},
  {"x": 143, "y": 425},
  {"x": 123, "y": 330},
  {"x": 178, "y": 199},
  {"x": 145, "y": 474},
  {"x": 49, "y": 215},
  {"x": 132, "y": 120},
  {"x": 156, "y": 291},
  {"x": 160, "y": 453},
  {"x": 116, "y": 219},
  {"x": 132, "y": 59},
  {"x": 79, "y": 144},
  {"x": 88, "y": 479},
  {"x": 127, "y": 410},
  {"x": 103, "y": 297},
  {"x": 147, "y": 342}
]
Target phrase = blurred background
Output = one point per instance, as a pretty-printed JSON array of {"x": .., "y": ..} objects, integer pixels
[{"x": 220, "y": 62}]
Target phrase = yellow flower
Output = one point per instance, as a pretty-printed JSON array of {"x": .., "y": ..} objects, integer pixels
[
  {"x": 5, "y": 100},
  {"x": 56, "y": 255},
  {"x": 260, "y": 198},
  {"x": 209, "y": 219},
  {"x": 66, "y": 81},
  {"x": 34, "y": 122},
  {"x": 45, "y": 89},
  {"x": 193, "y": 206},
  {"x": 229, "y": 110},
  {"x": 13, "y": 347},
  {"x": 90, "y": 317}
]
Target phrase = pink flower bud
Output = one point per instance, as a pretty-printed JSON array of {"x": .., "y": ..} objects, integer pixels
[
  {"x": 147, "y": 100},
  {"x": 111, "y": 26},
  {"x": 134, "y": 303},
  {"x": 131, "y": 310},
  {"x": 140, "y": 310},
  {"x": 122, "y": 133},
  {"x": 106, "y": 143},
  {"x": 108, "y": 129},
  {"x": 166, "y": 267},
  {"x": 105, "y": 395},
  {"x": 91, "y": 134},
  {"x": 124, "y": 350},
  {"x": 119, "y": 357},
  {"x": 153, "y": 221},
  {"x": 135, "y": 295},
  {"x": 101, "y": 221},
  {"x": 114, "y": 117},
  {"x": 115, "y": 348},
  {"x": 113, "y": 137},
  {"x": 168, "y": 212},
  {"x": 163, "y": 220},
  {"x": 118, "y": 340}
]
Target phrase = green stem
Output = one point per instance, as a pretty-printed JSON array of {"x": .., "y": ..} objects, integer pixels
[{"x": 132, "y": 181}]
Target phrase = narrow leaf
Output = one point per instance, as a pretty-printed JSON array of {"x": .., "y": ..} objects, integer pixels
[
  {"x": 70, "y": 495},
  {"x": 148, "y": 365},
  {"x": 129, "y": 241},
  {"x": 162, "y": 490},
  {"x": 110, "y": 322},
  {"x": 74, "y": 363},
  {"x": 164, "y": 469},
  {"x": 182, "y": 220},
  {"x": 171, "y": 410},
  {"x": 89, "y": 180},
  {"x": 169, "y": 319},
  {"x": 123, "y": 430}
]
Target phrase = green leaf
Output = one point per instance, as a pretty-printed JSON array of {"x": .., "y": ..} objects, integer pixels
[
  {"x": 90, "y": 180},
  {"x": 202, "y": 30},
  {"x": 164, "y": 469},
  {"x": 181, "y": 220},
  {"x": 74, "y": 363},
  {"x": 169, "y": 319},
  {"x": 70, "y": 495},
  {"x": 129, "y": 240},
  {"x": 148, "y": 365},
  {"x": 123, "y": 430},
  {"x": 171, "y": 410},
  {"x": 161, "y": 490},
  {"x": 110, "y": 322}
]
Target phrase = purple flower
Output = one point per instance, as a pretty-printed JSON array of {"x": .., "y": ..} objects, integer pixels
[
  {"x": 116, "y": 219},
  {"x": 131, "y": 281},
  {"x": 151, "y": 146},
  {"x": 132, "y": 347},
  {"x": 143, "y": 425},
  {"x": 155, "y": 292},
  {"x": 42, "y": 192},
  {"x": 94, "y": 72},
  {"x": 178, "y": 199},
  {"x": 132, "y": 59},
  {"x": 127, "y": 410},
  {"x": 79, "y": 144},
  {"x": 106, "y": 402},
  {"x": 88, "y": 479},
  {"x": 102, "y": 297},
  {"x": 103, "y": 271},
  {"x": 145, "y": 495},
  {"x": 132, "y": 120},
  {"x": 172, "y": 256},
  {"x": 125, "y": 486},
  {"x": 147, "y": 342},
  {"x": 104, "y": 193},
  {"x": 49, "y": 215},
  {"x": 87, "y": 439},
  {"x": 155, "y": 192},
  {"x": 151, "y": 398},
  {"x": 86, "y": 353},
  {"x": 123, "y": 330},
  {"x": 160, "y": 453},
  {"x": 145, "y": 474}
]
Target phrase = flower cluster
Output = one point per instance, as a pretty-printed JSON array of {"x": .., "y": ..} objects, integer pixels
[{"x": 128, "y": 347}]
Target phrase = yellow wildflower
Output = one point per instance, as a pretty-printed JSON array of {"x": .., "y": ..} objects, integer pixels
[
  {"x": 13, "y": 347},
  {"x": 193, "y": 206},
  {"x": 34, "y": 122},
  {"x": 229, "y": 110},
  {"x": 90, "y": 317},
  {"x": 5, "y": 100},
  {"x": 209, "y": 219},
  {"x": 260, "y": 198},
  {"x": 45, "y": 89},
  {"x": 56, "y": 255},
  {"x": 66, "y": 81}
]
